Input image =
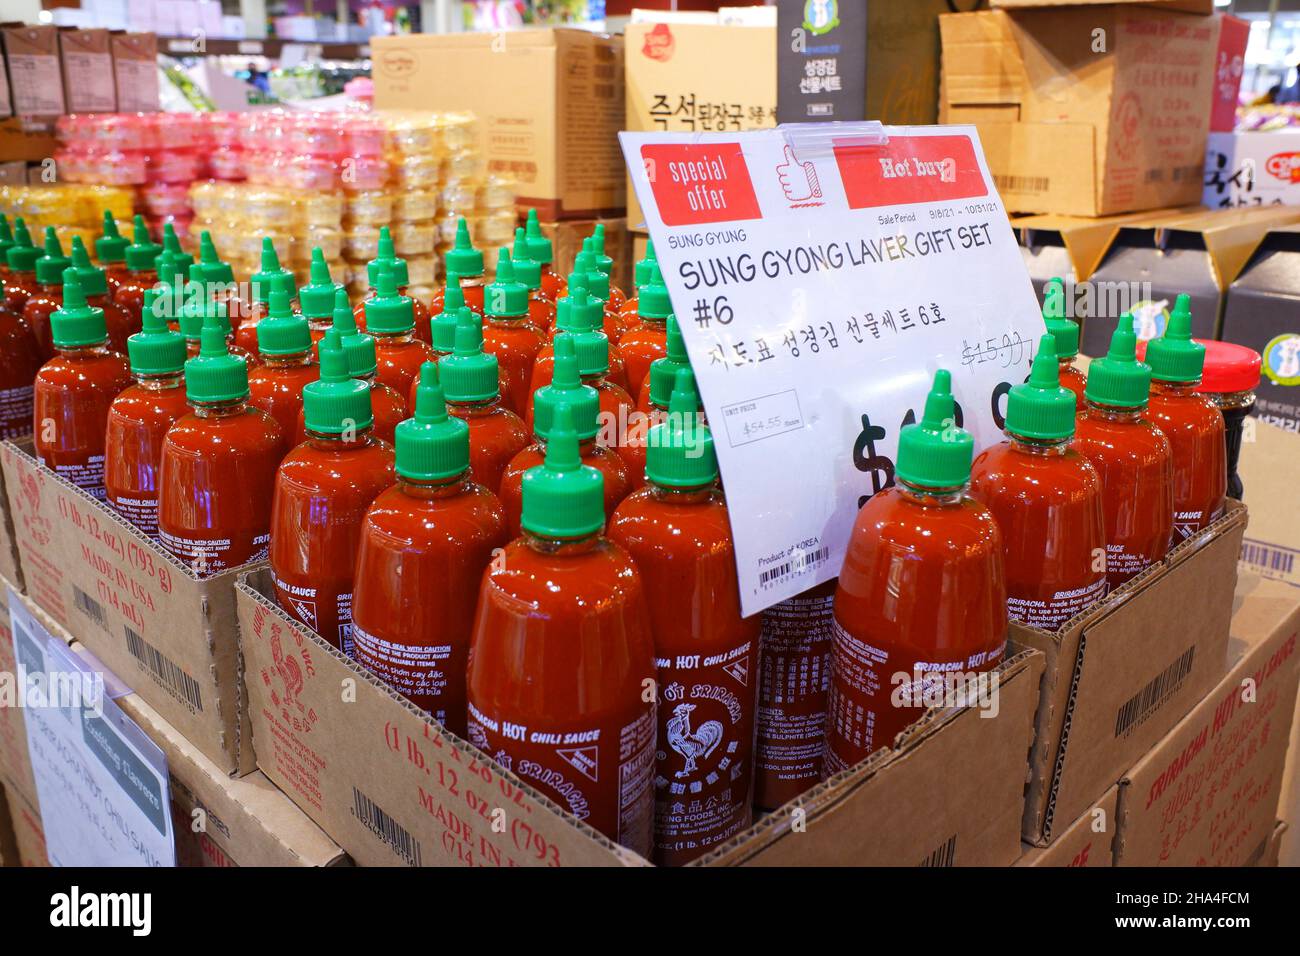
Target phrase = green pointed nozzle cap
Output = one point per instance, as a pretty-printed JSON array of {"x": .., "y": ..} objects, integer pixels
[
  {"x": 469, "y": 374},
  {"x": 317, "y": 296},
  {"x": 155, "y": 349},
  {"x": 566, "y": 386},
  {"x": 1120, "y": 379},
  {"x": 431, "y": 445},
  {"x": 213, "y": 269},
  {"x": 94, "y": 280},
  {"x": 462, "y": 258},
  {"x": 652, "y": 296},
  {"x": 597, "y": 281},
  {"x": 603, "y": 262},
  {"x": 527, "y": 269},
  {"x": 641, "y": 269},
  {"x": 282, "y": 332},
  {"x": 591, "y": 343},
  {"x": 49, "y": 267},
  {"x": 75, "y": 324},
  {"x": 1174, "y": 357},
  {"x": 563, "y": 498},
  {"x": 935, "y": 453},
  {"x": 7, "y": 236},
  {"x": 679, "y": 452},
  {"x": 262, "y": 279},
  {"x": 214, "y": 375},
  {"x": 574, "y": 298},
  {"x": 336, "y": 402},
  {"x": 111, "y": 245},
  {"x": 198, "y": 307},
  {"x": 171, "y": 273},
  {"x": 1064, "y": 330},
  {"x": 22, "y": 256},
  {"x": 663, "y": 371},
  {"x": 386, "y": 255},
  {"x": 505, "y": 297},
  {"x": 442, "y": 327},
  {"x": 172, "y": 243},
  {"x": 389, "y": 313},
  {"x": 1040, "y": 408},
  {"x": 357, "y": 346},
  {"x": 143, "y": 251},
  {"x": 539, "y": 247}
]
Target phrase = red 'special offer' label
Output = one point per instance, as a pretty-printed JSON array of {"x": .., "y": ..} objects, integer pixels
[{"x": 696, "y": 183}]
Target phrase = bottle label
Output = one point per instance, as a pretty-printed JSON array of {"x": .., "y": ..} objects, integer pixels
[
  {"x": 1122, "y": 564},
  {"x": 87, "y": 475},
  {"x": 208, "y": 556},
  {"x": 601, "y": 775},
  {"x": 141, "y": 512},
  {"x": 1187, "y": 523},
  {"x": 311, "y": 606},
  {"x": 16, "y": 412},
  {"x": 418, "y": 673},
  {"x": 1050, "y": 614}
]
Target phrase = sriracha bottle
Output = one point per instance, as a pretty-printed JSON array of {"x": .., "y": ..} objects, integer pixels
[
  {"x": 110, "y": 250},
  {"x": 541, "y": 250},
  {"x": 641, "y": 274},
  {"x": 1132, "y": 456},
  {"x": 218, "y": 464},
  {"x": 172, "y": 243},
  {"x": 921, "y": 605},
  {"x": 140, "y": 417},
  {"x": 7, "y": 242},
  {"x": 1192, "y": 423},
  {"x": 20, "y": 268},
  {"x": 541, "y": 309},
  {"x": 388, "y": 258},
  {"x": 616, "y": 300},
  {"x": 121, "y": 324},
  {"x": 197, "y": 307},
  {"x": 1046, "y": 498},
  {"x": 1066, "y": 333},
  {"x": 442, "y": 327},
  {"x": 219, "y": 280},
  {"x": 322, "y": 492},
  {"x": 425, "y": 544},
  {"x": 391, "y": 320},
  {"x": 74, "y": 390},
  {"x": 469, "y": 382},
  {"x": 317, "y": 297},
  {"x": 510, "y": 335},
  {"x": 641, "y": 345},
  {"x": 561, "y": 664},
  {"x": 261, "y": 283},
  {"x": 464, "y": 262},
  {"x": 19, "y": 363},
  {"x": 678, "y": 533},
  {"x": 652, "y": 401},
  {"x": 616, "y": 407},
  {"x": 584, "y": 264},
  {"x": 575, "y": 312},
  {"x": 48, "y": 295},
  {"x": 284, "y": 346},
  {"x": 141, "y": 271}
]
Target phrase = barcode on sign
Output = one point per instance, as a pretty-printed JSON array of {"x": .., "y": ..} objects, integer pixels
[
  {"x": 392, "y": 833},
  {"x": 1145, "y": 701},
  {"x": 1266, "y": 558},
  {"x": 797, "y": 564},
  {"x": 88, "y": 606},
  {"x": 944, "y": 855},
  {"x": 165, "y": 673},
  {"x": 1022, "y": 184}
]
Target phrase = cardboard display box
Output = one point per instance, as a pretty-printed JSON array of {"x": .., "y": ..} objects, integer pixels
[
  {"x": 1069, "y": 128},
  {"x": 566, "y": 238},
  {"x": 1202, "y": 7},
  {"x": 169, "y": 634},
  {"x": 88, "y": 71},
  {"x": 8, "y": 840},
  {"x": 1269, "y": 457},
  {"x": 35, "y": 80},
  {"x": 135, "y": 72},
  {"x": 1120, "y": 674},
  {"x": 29, "y": 834},
  {"x": 394, "y": 788},
  {"x": 1207, "y": 793},
  {"x": 1252, "y": 169},
  {"x": 26, "y": 139},
  {"x": 549, "y": 104},
  {"x": 1088, "y": 841},
  {"x": 1273, "y": 852}
]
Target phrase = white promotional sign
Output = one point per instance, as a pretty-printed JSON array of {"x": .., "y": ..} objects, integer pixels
[
  {"x": 820, "y": 275},
  {"x": 102, "y": 784}
]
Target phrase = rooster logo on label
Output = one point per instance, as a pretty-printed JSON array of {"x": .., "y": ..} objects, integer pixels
[{"x": 692, "y": 744}]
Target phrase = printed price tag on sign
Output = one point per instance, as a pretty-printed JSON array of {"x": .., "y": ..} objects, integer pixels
[
  {"x": 103, "y": 788},
  {"x": 820, "y": 275}
]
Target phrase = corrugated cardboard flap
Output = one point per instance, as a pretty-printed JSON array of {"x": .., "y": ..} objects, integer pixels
[
  {"x": 1025, "y": 159},
  {"x": 1231, "y": 236},
  {"x": 1088, "y": 239},
  {"x": 981, "y": 62}
]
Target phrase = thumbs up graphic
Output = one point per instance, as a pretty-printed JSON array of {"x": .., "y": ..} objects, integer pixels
[{"x": 798, "y": 180}]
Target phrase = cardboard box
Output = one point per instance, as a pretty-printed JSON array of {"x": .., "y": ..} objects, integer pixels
[
  {"x": 549, "y": 105},
  {"x": 29, "y": 834},
  {"x": 1207, "y": 793},
  {"x": 394, "y": 788},
  {"x": 27, "y": 139},
  {"x": 1267, "y": 468},
  {"x": 1202, "y": 7},
  {"x": 170, "y": 635},
  {"x": 1123, "y": 672},
  {"x": 1252, "y": 169},
  {"x": 135, "y": 72},
  {"x": 88, "y": 71},
  {"x": 35, "y": 81},
  {"x": 1069, "y": 129},
  {"x": 1088, "y": 841},
  {"x": 6, "y": 100},
  {"x": 566, "y": 241},
  {"x": 8, "y": 840},
  {"x": 1273, "y": 852}
]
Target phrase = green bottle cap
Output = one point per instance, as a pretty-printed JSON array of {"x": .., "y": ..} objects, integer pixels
[
  {"x": 164, "y": 302},
  {"x": 214, "y": 375},
  {"x": 431, "y": 445},
  {"x": 336, "y": 402},
  {"x": 389, "y": 313},
  {"x": 590, "y": 342},
  {"x": 1041, "y": 408},
  {"x": 935, "y": 453},
  {"x": 641, "y": 269},
  {"x": 575, "y": 299},
  {"x": 1119, "y": 379},
  {"x": 504, "y": 297},
  {"x": 539, "y": 247},
  {"x": 679, "y": 451},
  {"x": 1174, "y": 357},
  {"x": 155, "y": 349},
  {"x": 317, "y": 296},
  {"x": 527, "y": 269},
  {"x": 566, "y": 386},
  {"x": 172, "y": 243},
  {"x": 442, "y": 327},
  {"x": 172, "y": 273},
  {"x": 652, "y": 300},
  {"x": 49, "y": 267},
  {"x": 563, "y": 498},
  {"x": 603, "y": 262},
  {"x": 214, "y": 269},
  {"x": 6, "y": 237},
  {"x": 387, "y": 256},
  {"x": 282, "y": 332},
  {"x": 197, "y": 308},
  {"x": 111, "y": 245},
  {"x": 597, "y": 281},
  {"x": 469, "y": 374},
  {"x": 663, "y": 371},
  {"x": 462, "y": 258},
  {"x": 22, "y": 256},
  {"x": 143, "y": 251},
  {"x": 271, "y": 267},
  {"x": 93, "y": 279},
  {"x": 75, "y": 324},
  {"x": 357, "y": 346},
  {"x": 1065, "y": 331}
]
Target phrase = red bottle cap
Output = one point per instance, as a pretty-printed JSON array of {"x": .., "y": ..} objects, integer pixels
[{"x": 1229, "y": 368}]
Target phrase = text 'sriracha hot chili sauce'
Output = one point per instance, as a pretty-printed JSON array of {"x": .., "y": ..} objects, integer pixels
[
  {"x": 425, "y": 544},
  {"x": 286, "y": 368},
  {"x": 920, "y": 610},
  {"x": 1066, "y": 333},
  {"x": 677, "y": 530},
  {"x": 1046, "y": 498},
  {"x": 561, "y": 667},
  {"x": 510, "y": 335},
  {"x": 390, "y": 320},
  {"x": 1132, "y": 456}
]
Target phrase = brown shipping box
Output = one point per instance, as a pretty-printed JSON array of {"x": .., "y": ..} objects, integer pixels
[
  {"x": 11, "y": 568},
  {"x": 1267, "y": 467},
  {"x": 1207, "y": 793},
  {"x": 1084, "y": 110},
  {"x": 35, "y": 81},
  {"x": 170, "y": 635},
  {"x": 8, "y": 840},
  {"x": 1273, "y": 852},
  {"x": 1088, "y": 841},
  {"x": 135, "y": 72},
  {"x": 29, "y": 833},
  {"x": 395, "y": 789},
  {"x": 1121, "y": 673},
  {"x": 27, "y": 139},
  {"x": 88, "y": 83},
  {"x": 549, "y": 104}
]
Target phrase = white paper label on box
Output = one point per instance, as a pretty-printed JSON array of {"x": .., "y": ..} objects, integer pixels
[
  {"x": 102, "y": 784},
  {"x": 821, "y": 274},
  {"x": 137, "y": 85},
  {"x": 89, "y": 89},
  {"x": 37, "y": 87}
]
